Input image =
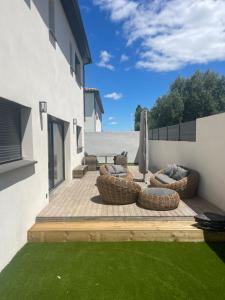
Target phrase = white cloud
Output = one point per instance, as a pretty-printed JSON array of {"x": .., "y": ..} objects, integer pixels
[
  {"x": 113, "y": 123},
  {"x": 85, "y": 8},
  {"x": 171, "y": 34},
  {"x": 124, "y": 58},
  {"x": 114, "y": 96},
  {"x": 111, "y": 118},
  {"x": 127, "y": 69},
  {"x": 105, "y": 58}
]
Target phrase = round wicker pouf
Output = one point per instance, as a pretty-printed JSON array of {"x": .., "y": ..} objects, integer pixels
[{"x": 158, "y": 199}]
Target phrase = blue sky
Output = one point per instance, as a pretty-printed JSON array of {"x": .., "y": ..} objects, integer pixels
[{"x": 138, "y": 50}]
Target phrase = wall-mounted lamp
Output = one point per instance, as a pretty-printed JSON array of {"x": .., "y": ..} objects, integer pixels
[{"x": 43, "y": 106}]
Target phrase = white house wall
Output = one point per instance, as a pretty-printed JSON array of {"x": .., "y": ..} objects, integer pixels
[
  {"x": 98, "y": 122},
  {"x": 89, "y": 112},
  {"x": 32, "y": 70}
]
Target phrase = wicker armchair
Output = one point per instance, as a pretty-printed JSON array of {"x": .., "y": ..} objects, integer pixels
[
  {"x": 186, "y": 187},
  {"x": 104, "y": 171},
  {"x": 117, "y": 191},
  {"x": 91, "y": 162},
  {"x": 121, "y": 159}
]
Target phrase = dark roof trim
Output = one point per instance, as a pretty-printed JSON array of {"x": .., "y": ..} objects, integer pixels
[
  {"x": 98, "y": 97},
  {"x": 72, "y": 11}
]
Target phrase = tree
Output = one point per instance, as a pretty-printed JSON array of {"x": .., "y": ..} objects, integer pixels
[
  {"x": 137, "y": 118},
  {"x": 201, "y": 95}
]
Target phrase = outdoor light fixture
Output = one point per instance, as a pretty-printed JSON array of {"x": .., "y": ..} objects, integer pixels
[
  {"x": 43, "y": 106},
  {"x": 74, "y": 122}
]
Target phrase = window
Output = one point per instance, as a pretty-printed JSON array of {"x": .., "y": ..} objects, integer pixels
[
  {"x": 79, "y": 139},
  {"x": 10, "y": 132},
  {"x": 78, "y": 70},
  {"x": 51, "y": 11},
  {"x": 71, "y": 59}
]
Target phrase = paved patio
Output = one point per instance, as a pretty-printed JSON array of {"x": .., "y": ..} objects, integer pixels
[{"x": 80, "y": 200}]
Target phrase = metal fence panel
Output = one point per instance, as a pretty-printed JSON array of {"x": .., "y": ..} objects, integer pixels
[
  {"x": 163, "y": 134},
  {"x": 188, "y": 131},
  {"x": 155, "y": 135},
  {"x": 150, "y": 134},
  {"x": 173, "y": 132},
  {"x": 179, "y": 132}
]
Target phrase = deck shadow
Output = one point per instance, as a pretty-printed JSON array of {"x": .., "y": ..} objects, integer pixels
[{"x": 217, "y": 247}]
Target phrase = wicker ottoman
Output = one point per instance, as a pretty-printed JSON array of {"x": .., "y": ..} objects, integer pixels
[{"x": 158, "y": 199}]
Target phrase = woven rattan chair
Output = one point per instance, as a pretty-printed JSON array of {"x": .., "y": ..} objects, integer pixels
[
  {"x": 186, "y": 187},
  {"x": 117, "y": 191},
  {"x": 104, "y": 171},
  {"x": 91, "y": 162},
  {"x": 120, "y": 160}
]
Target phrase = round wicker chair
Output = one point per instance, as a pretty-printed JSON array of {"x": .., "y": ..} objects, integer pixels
[
  {"x": 104, "y": 171},
  {"x": 117, "y": 191},
  {"x": 186, "y": 187}
]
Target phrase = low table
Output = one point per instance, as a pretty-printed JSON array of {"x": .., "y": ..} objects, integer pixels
[{"x": 158, "y": 199}]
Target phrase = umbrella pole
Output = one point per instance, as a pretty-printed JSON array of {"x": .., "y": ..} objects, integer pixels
[{"x": 143, "y": 177}]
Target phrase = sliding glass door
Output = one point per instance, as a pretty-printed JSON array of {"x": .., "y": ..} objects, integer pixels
[{"x": 56, "y": 152}]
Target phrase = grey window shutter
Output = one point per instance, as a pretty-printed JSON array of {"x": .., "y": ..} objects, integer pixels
[{"x": 10, "y": 134}]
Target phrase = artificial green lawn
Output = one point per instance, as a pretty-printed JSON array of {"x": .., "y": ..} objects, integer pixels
[{"x": 134, "y": 270}]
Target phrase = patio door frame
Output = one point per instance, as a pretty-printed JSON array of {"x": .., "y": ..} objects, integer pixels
[{"x": 51, "y": 121}]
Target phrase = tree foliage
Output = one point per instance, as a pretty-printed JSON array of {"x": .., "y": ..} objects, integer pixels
[{"x": 201, "y": 95}]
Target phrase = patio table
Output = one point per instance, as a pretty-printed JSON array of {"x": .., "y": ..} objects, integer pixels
[{"x": 106, "y": 155}]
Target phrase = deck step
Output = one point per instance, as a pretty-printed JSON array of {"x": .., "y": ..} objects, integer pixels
[{"x": 115, "y": 231}]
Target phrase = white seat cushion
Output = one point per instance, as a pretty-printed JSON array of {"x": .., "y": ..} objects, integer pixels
[{"x": 164, "y": 179}]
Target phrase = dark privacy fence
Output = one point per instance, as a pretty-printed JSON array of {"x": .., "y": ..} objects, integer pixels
[{"x": 180, "y": 132}]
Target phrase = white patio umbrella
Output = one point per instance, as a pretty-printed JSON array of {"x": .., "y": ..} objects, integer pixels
[{"x": 143, "y": 144}]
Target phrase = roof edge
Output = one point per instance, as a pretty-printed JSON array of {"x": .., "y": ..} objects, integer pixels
[
  {"x": 72, "y": 12},
  {"x": 97, "y": 93}
]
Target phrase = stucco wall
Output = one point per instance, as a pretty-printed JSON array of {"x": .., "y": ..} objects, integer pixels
[
  {"x": 98, "y": 122},
  {"x": 206, "y": 155},
  {"x": 32, "y": 70},
  {"x": 113, "y": 142},
  {"x": 89, "y": 112},
  {"x": 92, "y": 124}
]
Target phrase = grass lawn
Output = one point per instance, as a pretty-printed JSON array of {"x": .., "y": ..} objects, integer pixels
[{"x": 116, "y": 271}]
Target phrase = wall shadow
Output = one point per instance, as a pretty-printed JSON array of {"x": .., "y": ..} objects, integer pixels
[{"x": 12, "y": 177}]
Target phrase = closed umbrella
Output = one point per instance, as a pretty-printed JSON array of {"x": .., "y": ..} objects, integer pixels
[{"x": 143, "y": 144}]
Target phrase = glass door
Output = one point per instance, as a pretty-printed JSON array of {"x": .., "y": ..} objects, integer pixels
[{"x": 56, "y": 152}]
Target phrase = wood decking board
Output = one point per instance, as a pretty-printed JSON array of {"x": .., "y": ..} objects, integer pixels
[
  {"x": 76, "y": 213},
  {"x": 79, "y": 199},
  {"x": 167, "y": 231}
]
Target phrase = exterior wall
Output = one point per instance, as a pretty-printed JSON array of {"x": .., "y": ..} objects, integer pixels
[
  {"x": 33, "y": 70},
  {"x": 113, "y": 142},
  {"x": 92, "y": 124},
  {"x": 206, "y": 155},
  {"x": 98, "y": 122},
  {"x": 89, "y": 112}
]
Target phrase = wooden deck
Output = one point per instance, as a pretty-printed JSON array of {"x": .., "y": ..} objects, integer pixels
[
  {"x": 118, "y": 231},
  {"x": 79, "y": 200}
]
